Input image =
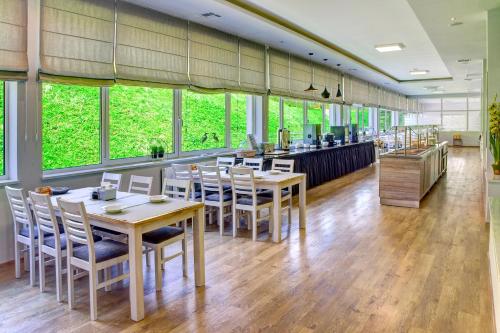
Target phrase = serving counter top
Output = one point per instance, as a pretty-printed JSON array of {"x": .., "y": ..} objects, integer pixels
[
  {"x": 312, "y": 150},
  {"x": 414, "y": 153}
]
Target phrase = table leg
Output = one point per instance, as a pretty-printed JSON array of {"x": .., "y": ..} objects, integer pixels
[
  {"x": 199, "y": 247},
  {"x": 136, "y": 278},
  {"x": 276, "y": 214},
  {"x": 302, "y": 203}
]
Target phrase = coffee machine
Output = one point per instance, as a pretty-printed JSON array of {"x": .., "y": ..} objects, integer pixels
[
  {"x": 312, "y": 134},
  {"x": 284, "y": 139}
]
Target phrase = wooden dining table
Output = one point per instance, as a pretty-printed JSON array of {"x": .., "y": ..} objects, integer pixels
[
  {"x": 268, "y": 181},
  {"x": 140, "y": 216}
]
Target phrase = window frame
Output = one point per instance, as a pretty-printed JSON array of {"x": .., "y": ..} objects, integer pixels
[{"x": 6, "y": 129}]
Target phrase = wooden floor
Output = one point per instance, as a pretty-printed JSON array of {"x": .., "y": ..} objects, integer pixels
[{"x": 360, "y": 267}]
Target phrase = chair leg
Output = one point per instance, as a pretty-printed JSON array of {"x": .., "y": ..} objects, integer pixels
[
  {"x": 158, "y": 269},
  {"x": 25, "y": 258},
  {"x": 148, "y": 263},
  {"x": 254, "y": 225},
  {"x": 235, "y": 218},
  {"x": 184, "y": 257},
  {"x": 41, "y": 266},
  {"x": 58, "y": 277},
  {"x": 17, "y": 259},
  {"x": 120, "y": 268},
  {"x": 221, "y": 220},
  {"x": 71, "y": 284},
  {"x": 107, "y": 276},
  {"x": 93, "y": 293},
  {"x": 32, "y": 256}
]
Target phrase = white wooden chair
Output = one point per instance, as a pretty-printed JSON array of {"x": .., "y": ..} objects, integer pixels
[
  {"x": 140, "y": 184},
  {"x": 50, "y": 241},
  {"x": 114, "y": 179},
  {"x": 185, "y": 171},
  {"x": 286, "y": 194},
  {"x": 254, "y": 163},
  {"x": 226, "y": 161},
  {"x": 25, "y": 232},
  {"x": 213, "y": 193},
  {"x": 157, "y": 240},
  {"x": 242, "y": 180},
  {"x": 90, "y": 256}
]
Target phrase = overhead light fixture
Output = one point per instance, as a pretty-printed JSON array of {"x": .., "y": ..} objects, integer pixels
[
  {"x": 390, "y": 47},
  {"x": 311, "y": 87},
  {"x": 464, "y": 61},
  {"x": 419, "y": 72},
  {"x": 339, "y": 93},
  {"x": 210, "y": 14},
  {"x": 454, "y": 22},
  {"x": 325, "y": 94}
]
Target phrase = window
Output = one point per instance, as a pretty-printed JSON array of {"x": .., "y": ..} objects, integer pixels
[
  {"x": 203, "y": 121},
  {"x": 384, "y": 120},
  {"x": 293, "y": 118},
  {"x": 70, "y": 126},
  {"x": 353, "y": 115},
  {"x": 474, "y": 114},
  {"x": 139, "y": 118},
  {"x": 364, "y": 118},
  {"x": 2, "y": 128},
  {"x": 239, "y": 120},
  {"x": 273, "y": 122},
  {"x": 314, "y": 113}
]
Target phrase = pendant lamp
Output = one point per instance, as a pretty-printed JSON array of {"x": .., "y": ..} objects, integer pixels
[
  {"x": 311, "y": 87},
  {"x": 339, "y": 93},
  {"x": 325, "y": 94}
]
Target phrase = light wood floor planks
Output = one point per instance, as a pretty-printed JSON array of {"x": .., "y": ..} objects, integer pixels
[{"x": 360, "y": 267}]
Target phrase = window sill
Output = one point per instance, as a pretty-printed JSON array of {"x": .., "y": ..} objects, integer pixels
[
  {"x": 148, "y": 164},
  {"x": 6, "y": 182}
]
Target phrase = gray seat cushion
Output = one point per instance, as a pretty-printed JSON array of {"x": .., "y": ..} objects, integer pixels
[
  {"x": 112, "y": 232},
  {"x": 160, "y": 235},
  {"x": 24, "y": 231},
  {"x": 226, "y": 188},
  {"x": 216, "y": 197},
  {"x": 197, "y": 195},
  {"x": 104, "y": 250},
  {"x": 51, "y": 241},
  {"x": 269, "y": 193},
  {"x": 248, "y": 200}
]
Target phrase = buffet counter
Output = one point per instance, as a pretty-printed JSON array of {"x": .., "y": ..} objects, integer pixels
[
  {"x": 406, "y": 176},
  {"x": 325, "y": 164}
]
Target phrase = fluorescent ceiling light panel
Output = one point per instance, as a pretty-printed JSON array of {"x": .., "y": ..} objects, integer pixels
[
  {"x": 418, "y": 72},
  {"x": 390, "y": 47}
]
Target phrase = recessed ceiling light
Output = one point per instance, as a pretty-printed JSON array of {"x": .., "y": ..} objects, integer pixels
[
  {"x": 390, "y": 47},
  {"x": 464, "y": 61},
  {"x": 353, "y": 69},
  {"x": 210, "y": 14},
  {"x": 454, "y": 22},
  {"x": 419, "y": 72}
]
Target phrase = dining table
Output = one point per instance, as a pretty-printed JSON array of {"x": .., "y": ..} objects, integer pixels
[
  {"x": 275, "y": 181},
  {"x": 139, "y": 216}
]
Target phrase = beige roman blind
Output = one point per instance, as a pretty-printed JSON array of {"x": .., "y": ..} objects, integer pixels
[
  {"x": 77, "y": 40},
  {"x": 13, "y": 46},
  {"x": 383, "y": 98},
  {"x": 325, "y": 76},
  {"x": 412, "y": 104},
  {"x": 213, "y": 59},
  {"x": 151, "y": 47},
  {"x": 360, "y": 91},
  {"x": 347, "y": 91},
  {"x": 300, "y": 77},
  {"x": 403, "y": 104},
  {"x": 279, "y": 73},
  {"x": 252, "y": 67},
  {"x": 373, "y": 92}
]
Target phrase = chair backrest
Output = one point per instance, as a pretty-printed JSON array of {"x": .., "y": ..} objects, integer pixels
[
  {"x": 177, "y": 188},
  {"x": 282, "y": 165},
  {"x": 226, "y": 161},
  {"x": 254, "y": 163},
  {"x": 76, "y": 224},
  {"x": 182, "y": 171},
  {"x": 242, "y": 181},
  {"x": 44, "y": 215},
  {"x": 210, "y": 181},
  {"x": 114, "y": 178},
  {"x": 140, "y": 184},
  {"x": 19, "y": 207}
]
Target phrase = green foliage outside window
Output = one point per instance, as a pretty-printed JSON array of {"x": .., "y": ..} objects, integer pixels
[
  {"x": 354, "y": 115},
  {"x": 238, "y": 120},
  {"x": 2, "y": 130},
  {"x": 273, "y": 119},
  {"x": 314, "y": 113},
  {"x": 70, "y": 126},
  {"x": 293, "y": 118},
  {"x": 203, "y": 118},
  {"x": 139, "y": 118},
  {"x": 364, "y": 115}
]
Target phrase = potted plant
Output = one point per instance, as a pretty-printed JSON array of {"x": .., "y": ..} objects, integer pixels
[
  {"x": 494, "y": 114},
  {"x": 154, "y": 151},
  {"x": 161, "y": 151}
]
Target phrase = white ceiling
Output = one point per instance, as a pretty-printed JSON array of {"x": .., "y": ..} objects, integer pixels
[{"x": 357, "y": 26}]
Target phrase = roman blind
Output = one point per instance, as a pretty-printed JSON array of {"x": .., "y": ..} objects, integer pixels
[
  {"x": 252, "y": 67},
  {"x": 151, "y": 47},
  {"x": 403, "y": 104},
  {"x": 213, "y": 59},
  {"x": 412, "y": 104},
  {"x": 77, "y": 41},
  {"x": 13, "y": 45},
  {"x": 360, "y": 91},
  {"x": 347, "y": 92},
  {"x": 279, "y": 73},
  {"x": 373, "y": 92},
  {"x": 300, "y": 77}
]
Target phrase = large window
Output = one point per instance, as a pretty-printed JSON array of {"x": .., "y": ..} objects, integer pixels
[
  {"x": 203, "y": 121},
  {"x": 2, "y": 128},
  {"x": 139, "y": 118},
  {"x": 451, "y": 113},
  {"x": 70, "y": 126},
  {"x": 293, "y": 118},
  {"x": 314, "y": 113},
  {"x": 239, "y": 120},
  {"x": 273, "y": 122}
]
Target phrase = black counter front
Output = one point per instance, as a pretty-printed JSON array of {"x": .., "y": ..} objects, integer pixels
[{"x": 325, "y": 164}]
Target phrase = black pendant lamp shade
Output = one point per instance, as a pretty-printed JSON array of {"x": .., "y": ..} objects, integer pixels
[
  {"x": 339, "y": 93},
  {"x": 325, "y": 94},
  {"x": 311, "y": 87}
]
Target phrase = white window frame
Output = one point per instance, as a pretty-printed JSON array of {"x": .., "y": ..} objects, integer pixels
[{"x": 6, "y": 128}]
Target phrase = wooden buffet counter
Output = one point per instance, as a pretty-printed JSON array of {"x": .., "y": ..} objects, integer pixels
[{"x": 405, "y": 177}]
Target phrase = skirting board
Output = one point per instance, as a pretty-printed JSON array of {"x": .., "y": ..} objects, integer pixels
[{"x": 495, "y": 282}]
